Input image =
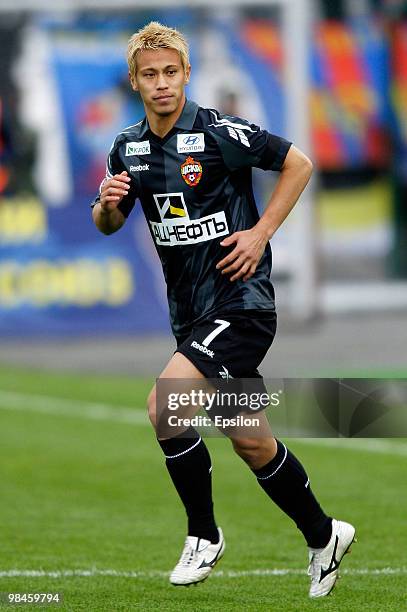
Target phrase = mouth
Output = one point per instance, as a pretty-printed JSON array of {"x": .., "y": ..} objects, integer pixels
[{"x": 163, "y": 98}]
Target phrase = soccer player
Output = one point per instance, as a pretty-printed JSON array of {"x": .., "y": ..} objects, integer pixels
[{"x": 190, "y": 168}]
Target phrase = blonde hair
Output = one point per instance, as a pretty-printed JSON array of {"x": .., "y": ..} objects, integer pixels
[{"x": 156, "y": 36}]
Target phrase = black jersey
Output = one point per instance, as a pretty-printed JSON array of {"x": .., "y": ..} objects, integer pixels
[{"x": 195, "y": 188}]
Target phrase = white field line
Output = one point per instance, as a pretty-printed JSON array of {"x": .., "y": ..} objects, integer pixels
[
  {"x": 26, "y": 402},
  {"x": 57, "y": 406},
  {"x": 372, "y": 445},
  {"x": 89, "y": 573}
]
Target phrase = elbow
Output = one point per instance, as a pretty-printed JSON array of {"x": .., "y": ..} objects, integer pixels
[
  {"x": 309, "y": 168},
  {"x": 299, "y": 162},
  {"x": 307, "y": 165},
  {"x": 107, "y": 231}
]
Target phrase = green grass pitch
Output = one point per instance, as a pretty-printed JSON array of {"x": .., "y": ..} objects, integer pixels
[{"x": 83, "y": 488}]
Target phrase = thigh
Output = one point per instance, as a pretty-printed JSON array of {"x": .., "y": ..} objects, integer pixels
[
  {"x": 179, "y": 379},
  {"x": 179, "y": 366}
]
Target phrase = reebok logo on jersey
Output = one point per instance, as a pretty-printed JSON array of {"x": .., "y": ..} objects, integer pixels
[
  {"x": 139, "y": 168},
  {"x": 191, "y": 171},
  {"x": 138, "y": 148},
  {"x": 203, "y": 349},
  {"x": 190, "y": 143},
  {"x": 235, "y": 129},
  {"x": 239, "y": 135},
  {"x": 176, "y": 228}
]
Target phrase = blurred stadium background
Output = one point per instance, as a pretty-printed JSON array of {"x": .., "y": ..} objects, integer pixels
[
  {"x": 329, "y": 75},
  {"x": 80, "y": 474}
]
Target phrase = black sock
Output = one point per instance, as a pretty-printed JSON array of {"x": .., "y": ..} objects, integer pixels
[
  {"x": 189, "y": 464},
  {"x": 286, "y": 482}
]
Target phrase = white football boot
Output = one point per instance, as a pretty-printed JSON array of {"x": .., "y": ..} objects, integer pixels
[
  {"x": 197, "y": 560},
  {"x": 324, "y": 562}
]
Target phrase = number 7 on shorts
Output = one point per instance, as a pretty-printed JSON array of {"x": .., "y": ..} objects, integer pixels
[{"x": 221, "y": 326}]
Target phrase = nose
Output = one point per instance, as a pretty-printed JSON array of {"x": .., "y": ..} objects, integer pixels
[{"x": 161, "y": 82}]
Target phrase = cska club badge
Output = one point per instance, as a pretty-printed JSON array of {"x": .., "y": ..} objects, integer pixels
[{"x": 191, "y": 171}]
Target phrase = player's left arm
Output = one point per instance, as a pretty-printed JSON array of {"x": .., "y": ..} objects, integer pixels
[{"x": 250, "y": 244}]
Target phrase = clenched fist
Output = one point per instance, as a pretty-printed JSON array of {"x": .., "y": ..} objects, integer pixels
[{"x": 113, "y": 191}]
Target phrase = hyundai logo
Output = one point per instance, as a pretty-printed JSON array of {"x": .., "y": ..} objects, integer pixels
[{"x": 191, "y": 140}]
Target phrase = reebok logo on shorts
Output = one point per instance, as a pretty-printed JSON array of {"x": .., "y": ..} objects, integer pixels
[
  {"x": 203, "y": 349},
  {"x": 224, "y": 373}
]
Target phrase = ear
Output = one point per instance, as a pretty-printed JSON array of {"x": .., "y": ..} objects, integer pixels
[
  {"x": 133, "y": 82},
  {"x": 187, "y": 74}
]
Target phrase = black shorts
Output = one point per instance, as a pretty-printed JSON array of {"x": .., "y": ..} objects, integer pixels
[
  {"x": 227, "y": 348},
  {"x": 230, "y": 343}
]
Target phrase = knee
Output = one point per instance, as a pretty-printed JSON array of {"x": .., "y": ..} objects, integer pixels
[
  {"x": 159, "y": 417},
  {"x": 246, "y": 448},
  {"x": 152, "y": 407},
  {"x": 256, "y": 452}
]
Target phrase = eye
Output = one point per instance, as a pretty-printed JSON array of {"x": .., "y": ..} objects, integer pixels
[{"x": 172, "y": 71}]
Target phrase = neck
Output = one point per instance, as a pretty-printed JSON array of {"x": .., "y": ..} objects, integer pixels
[{"x": 160, "y": 125}]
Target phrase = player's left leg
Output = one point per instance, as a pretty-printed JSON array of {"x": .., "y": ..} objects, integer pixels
[{"x": 285, "y": 481}]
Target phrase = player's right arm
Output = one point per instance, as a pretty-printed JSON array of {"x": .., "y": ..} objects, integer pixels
[{"x": 107, "y": 217}]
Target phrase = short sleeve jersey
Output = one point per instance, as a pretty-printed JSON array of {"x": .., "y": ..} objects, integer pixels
[{"x": 195, "y": 188}]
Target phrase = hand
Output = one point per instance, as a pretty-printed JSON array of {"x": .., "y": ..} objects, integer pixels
[
  {"x": 113, "y": 191},
  {"x": 243, "y": 260}
]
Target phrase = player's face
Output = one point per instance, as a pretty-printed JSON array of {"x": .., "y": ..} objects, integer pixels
[{"x": 160, "y": 80}]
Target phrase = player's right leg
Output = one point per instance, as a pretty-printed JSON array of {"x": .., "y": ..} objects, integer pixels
[{"x": 189, "y": 465}]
